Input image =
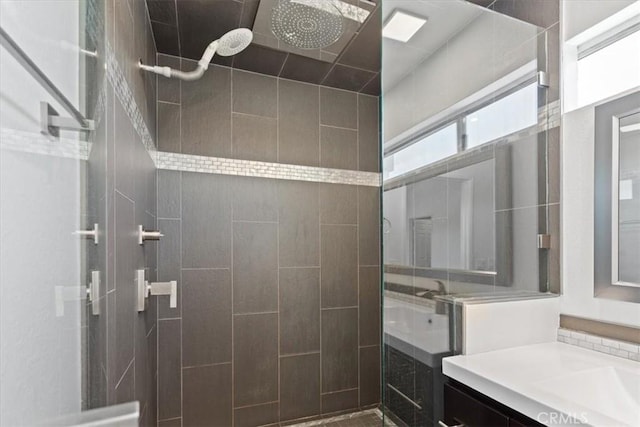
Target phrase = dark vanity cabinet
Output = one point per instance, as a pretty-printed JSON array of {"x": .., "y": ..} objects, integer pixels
[
  {"x": 413, "y": 388},
  {"x": 467, "y": 407}
]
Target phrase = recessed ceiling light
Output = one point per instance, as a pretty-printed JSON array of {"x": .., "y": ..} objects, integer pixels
[{"x": 402, "y": 26}]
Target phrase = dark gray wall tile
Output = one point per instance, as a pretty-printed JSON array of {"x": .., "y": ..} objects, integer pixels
[
  {"x": 299, "y": 224},
  {"x": 206, "y": 327},
  {"x": 369, "y": 304},
  {"x": 338, "y": 204},
  {"x": 255, "y": 267},
  {"x": 206, "y": 113},
  {"x": 142, "y": 367},
  {"x": 259, "y": 415},
  {"x": 125, "y": 286},
  {"x": 169, "y": 265},
  {"x": 369, "y": 375},
  {"x": 339, "y": 401},
  {"x": 299, "y": 123},
  {"x": 339, "y": 277},
  {"x": 299, "y": 310},
  {"x": 339, "y": 350},
  {"x": 255, "y": 359},
  {"x": 299, "y": 386},
  {"x": 112, "y": 348},
  {"x": 338, "y": 108},
  {"x": 369, "y": 225},
  {"x": 169, "y": 370},
  {"x": 169, "y": 89},
  {"x": 168, "y": 127},
  {"x": 338, "y": 148},
  {"x": 368, "y": 134},
  {"x": 176, "y": 422},
  {"x": 206, "y": 215},
  {"x": 125, "y": 389},
  {"x": 207, "y": 395},
  {"x": 169, "y": 184},
  {"x": 255, "y": 138},
  {"x": 124, "y": 152},
  {"x": 255, "y": 94},
  {"x": 255, "y": 199}
]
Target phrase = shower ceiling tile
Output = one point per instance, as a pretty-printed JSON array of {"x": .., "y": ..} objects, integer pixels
[
  {"x": 260, "y": 60},
  {"x": 162, "y": 11},
  {"x": 365, "y": 49},
  {"x": 347, "y": 78},
  {"x": 201, "y": 22},
  {"x": 166, "y": 37},
  {"x": 304, "y": 69},
  {"x": 185, "y": 27}
]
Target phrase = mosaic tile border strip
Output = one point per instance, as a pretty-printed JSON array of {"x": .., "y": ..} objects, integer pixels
[
  {"x": 223, "y": 166},
  {"x": 124, "y": 94},
  {"x": 36, "y": 143},
  {"x": 617, "y": 348}
]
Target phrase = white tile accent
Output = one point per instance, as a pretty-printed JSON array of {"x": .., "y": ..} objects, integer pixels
[
  {"x": 622, "y": 349},
  {"x": 37, "y": 143},
  {"x": 125, "y": 95},
  {"x": 224, "y": 166}
]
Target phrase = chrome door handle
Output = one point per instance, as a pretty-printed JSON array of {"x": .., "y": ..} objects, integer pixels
[{"x": 442, "y": 424}]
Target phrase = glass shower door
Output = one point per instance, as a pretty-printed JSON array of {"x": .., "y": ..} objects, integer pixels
[
  {"x": 52, "y": 211},
  {"x": 464, "y": 186}
]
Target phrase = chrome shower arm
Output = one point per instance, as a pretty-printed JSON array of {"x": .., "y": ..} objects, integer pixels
[{"x": 203, "y": 65}]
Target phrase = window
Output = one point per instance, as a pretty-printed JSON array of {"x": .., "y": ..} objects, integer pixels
[
  {"x": 505, "y": 116},
  {"x": 515, "y": 109},
  {"x": 436, "y": 146},
  {"x": 609, "y": 70}
]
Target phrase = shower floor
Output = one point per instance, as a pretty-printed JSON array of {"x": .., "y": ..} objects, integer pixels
[{"x": 368, "y": 418}]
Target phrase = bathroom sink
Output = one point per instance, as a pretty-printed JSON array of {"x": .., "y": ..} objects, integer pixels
[
  {"x": 609, "y": 391},
  {"x": 417, "y": 325}
]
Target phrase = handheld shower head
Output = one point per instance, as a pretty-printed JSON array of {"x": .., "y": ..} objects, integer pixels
[{"x": 234, "y": 42}]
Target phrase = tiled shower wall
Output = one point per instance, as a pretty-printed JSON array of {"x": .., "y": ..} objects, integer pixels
[
  {"x": 121, "y": 182},
  {"x": 279, "y": 293}
]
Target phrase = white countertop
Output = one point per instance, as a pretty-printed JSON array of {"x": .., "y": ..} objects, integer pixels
[{"x": 555, "y": 383}]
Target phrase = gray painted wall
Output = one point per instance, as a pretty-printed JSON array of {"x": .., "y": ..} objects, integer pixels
[{"x": 279, "y": 293}]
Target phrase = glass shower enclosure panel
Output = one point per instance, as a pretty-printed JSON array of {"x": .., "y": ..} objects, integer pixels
[
  {"x": 52, "y": 254},
  {"x": 464, "y": 170}
]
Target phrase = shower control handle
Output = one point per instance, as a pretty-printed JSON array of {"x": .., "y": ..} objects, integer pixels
[
  {"x": 144, "y": 235},
  {"x": 89, "y": 234},
  {"x": 155, "y": 288}
]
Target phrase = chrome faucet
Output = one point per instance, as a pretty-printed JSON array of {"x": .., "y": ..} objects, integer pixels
[{"x": 430, "y": 293}]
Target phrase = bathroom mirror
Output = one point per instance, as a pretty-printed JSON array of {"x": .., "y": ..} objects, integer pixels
[
  {"x": 617, "y": 199},
  {"x": 460, "y": 239}
]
